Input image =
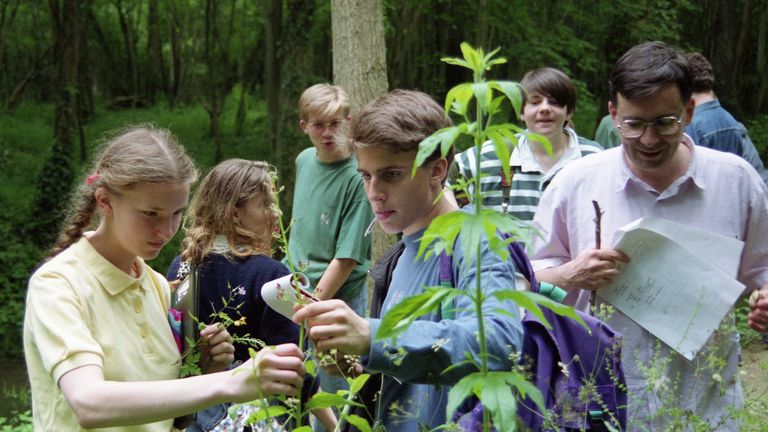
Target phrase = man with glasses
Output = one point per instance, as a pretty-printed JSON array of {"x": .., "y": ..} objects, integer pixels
[{"x": 657, "y": 171}]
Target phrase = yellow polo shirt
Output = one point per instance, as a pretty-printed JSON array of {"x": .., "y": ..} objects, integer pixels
[{"x": 82, "y": 310}]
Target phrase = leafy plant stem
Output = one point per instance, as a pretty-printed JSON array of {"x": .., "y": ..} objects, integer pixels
[
  {"x": 283, "y": 239},
  {"x": 479, "y": 297}
]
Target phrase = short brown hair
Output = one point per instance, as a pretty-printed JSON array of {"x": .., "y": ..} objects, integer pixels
[
  {"x": 703, "y": 74},
  {"x": 323, "y": 100},
  {"x": 644, "y": 69},
  {"x": 553, "y": 83},
  {"x": 399, "y": 120}
]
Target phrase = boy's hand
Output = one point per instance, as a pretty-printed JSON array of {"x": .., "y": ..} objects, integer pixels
[
  {"x": 218, "y": 351},
  {"x": 333, "y": 325},
  {"x": 274, "y": 371},
  {"x": 758, "y": 304}
]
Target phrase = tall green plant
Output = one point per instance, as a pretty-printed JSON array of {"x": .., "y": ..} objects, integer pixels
[{"x": 476, "y": 103}]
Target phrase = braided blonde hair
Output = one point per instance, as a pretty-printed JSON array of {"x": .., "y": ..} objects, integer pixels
[{"x": 128, "y": 157}]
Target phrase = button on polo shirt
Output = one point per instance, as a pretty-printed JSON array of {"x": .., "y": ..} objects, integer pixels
[{"x": 82, "y": 310}]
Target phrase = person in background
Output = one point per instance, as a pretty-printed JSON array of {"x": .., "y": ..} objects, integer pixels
[
  {"x": 99, "y": 348},
  {"x": 658, "y": 171},
  {"x": 330, "y": 213},
  {"x": 712, "y": 126},
  {"x": 606, "y": 134},
  {"x": 548, "y": 105},
  {"x": 228, "y": 237}
]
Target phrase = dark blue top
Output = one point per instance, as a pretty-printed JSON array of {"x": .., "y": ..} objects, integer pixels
[
  {"x": 714, "y": 127},
  {"x": 241, "y": 279}
]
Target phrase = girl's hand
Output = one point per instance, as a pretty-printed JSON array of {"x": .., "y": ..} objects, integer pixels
[
  {"x": 218, "y": 351},
  {"x": 274, "y": 371}
]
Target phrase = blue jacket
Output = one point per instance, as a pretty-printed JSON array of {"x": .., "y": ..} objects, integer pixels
[{"x": 714, "y": 127}]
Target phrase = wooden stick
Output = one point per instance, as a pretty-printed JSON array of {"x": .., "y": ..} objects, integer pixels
[{"x": 597, "y": 220}]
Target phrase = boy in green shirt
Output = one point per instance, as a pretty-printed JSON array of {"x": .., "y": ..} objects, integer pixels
[{"x": 330, "y": 209}]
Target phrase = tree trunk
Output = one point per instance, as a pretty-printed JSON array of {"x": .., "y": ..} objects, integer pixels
[
  {"x": 55, "y": 179},
  {"x": 272, "y": 31},
  {"x": 130, "y": 51},
  {"x": 6, "y": 17},
  {"x": 214, "y": 104},
  {"x": 155, "y": 81},
  {"x": 360, "y": 66}
]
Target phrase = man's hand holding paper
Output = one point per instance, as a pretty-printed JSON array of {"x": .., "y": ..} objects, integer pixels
[
  {"x": 673, "y": 287},
  {"x": 758, "y": 305}
]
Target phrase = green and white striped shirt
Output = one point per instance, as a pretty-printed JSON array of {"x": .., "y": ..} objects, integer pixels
[{"x": 528, "y": 178}]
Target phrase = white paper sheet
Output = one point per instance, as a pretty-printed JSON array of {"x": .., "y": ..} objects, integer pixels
[{"x": 680, "y": 295}]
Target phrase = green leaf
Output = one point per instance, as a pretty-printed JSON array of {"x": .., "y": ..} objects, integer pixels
[
  {"x": 357, "y": 384},
  {"x": 311, "y": 367},
  {"x": 327, "y": 400},
  {"x": 456, "y": 62},
  {"x": 400, "y": 317},
  {"x": 358, "y": 422},
  {"x": 531, "y": 301},
  {"x": 483, "y": 94},
  {"x": 458, "y": 98},
  {"x": 441, "y": 234},
  {"x": 266, "y": 412},
  {"x": 502, "y": 149},
  {"x": 466, "y": 387},
  {"x": 541, "y": 139},
  {"x": 472, "y": 56},
  {"x": 513, "y": 91},
  {"x": 522, "y": 386},
  {"x": 444, "y": 137},
  {"x": 305, "y": 428},
  {"x": 497, "y": 397}
]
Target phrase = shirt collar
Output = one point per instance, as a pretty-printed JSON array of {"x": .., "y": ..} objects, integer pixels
[
  {"x": 109, "y": 276},
  {"x": 523, "y": 156},
  {"x": 692, "y": 174}
]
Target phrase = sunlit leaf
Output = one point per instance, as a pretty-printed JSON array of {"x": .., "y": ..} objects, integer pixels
[
  {"x": 502, "y": 149},
  {"x": 358, "y": 382},
  {"x": 400, "y": 317},
  {"x": 441, "y": 234},
  {"x": 360, "y": 423},
  {"x": 327, "y": 400},
  {"x": 521, "y": 385},
  {"x": 266, "y": 412},
  {"x": 541, "y": 139},
  {"x": 458, "y": 99},
  {"x": 444, "y": 138},
  {"x": 513, "y": 91},
  {"x": 531, "y": 301},
  {"x": 497, "y": 397},
  {"x": 483, "y": 94},
  {"x": 466, "y": 387}
]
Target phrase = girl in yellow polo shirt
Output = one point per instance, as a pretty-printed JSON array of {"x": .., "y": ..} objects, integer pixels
[{"x": 98, "y": 346}]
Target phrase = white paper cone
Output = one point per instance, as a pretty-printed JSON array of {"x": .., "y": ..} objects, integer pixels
[{"x": 280, "y": 294}]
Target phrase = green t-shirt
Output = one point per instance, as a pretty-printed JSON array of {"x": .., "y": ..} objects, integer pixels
[{"x": 330, "y": 215}]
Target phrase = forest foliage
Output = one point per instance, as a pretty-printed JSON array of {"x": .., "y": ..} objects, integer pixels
[{"x": 225, "y": 76}]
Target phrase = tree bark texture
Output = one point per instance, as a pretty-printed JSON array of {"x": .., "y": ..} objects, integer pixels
[{"x": 360, "y": 67}]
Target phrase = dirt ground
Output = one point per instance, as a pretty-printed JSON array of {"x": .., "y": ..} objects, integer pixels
[{"x": 754, "y": 366}]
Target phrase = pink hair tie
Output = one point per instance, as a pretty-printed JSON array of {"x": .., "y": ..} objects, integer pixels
[{"x": 92, "y": 178}]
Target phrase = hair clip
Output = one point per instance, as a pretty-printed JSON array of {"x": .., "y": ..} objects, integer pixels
[{"x": 92, "y": 178}]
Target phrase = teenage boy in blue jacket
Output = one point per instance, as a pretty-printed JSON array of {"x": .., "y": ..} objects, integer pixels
[{"x": 386, "y": 134}]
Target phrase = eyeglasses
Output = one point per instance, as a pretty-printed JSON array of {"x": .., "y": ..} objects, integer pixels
[
  {"x": 664, "y": 126},
  {"x": 320, "y": 126}
]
